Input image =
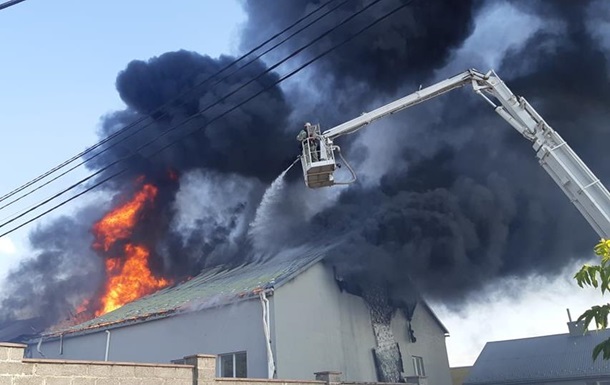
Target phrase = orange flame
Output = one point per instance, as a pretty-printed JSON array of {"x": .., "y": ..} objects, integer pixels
[
  {"x": 129, "y": 276},
  {"x": 129, "y": 279},
  {"x": 83, "y": 306},
  {"x": 172, "y": 174},
  {"x": 119, "y": 223}
]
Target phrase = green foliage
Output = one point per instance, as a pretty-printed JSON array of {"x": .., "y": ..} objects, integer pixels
[
  {"x": 602, "y": 347},
  {"x": 597, "y": 276},
  {"x": 597, "y": 313}
]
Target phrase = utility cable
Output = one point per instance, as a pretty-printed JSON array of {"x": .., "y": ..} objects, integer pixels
[
  {"x": 283, "y": 78},
  {"x": 160, "y": 109},
  {"x": 10, "y": 3},
  {"x": 197, "y": 114},
  {"x": 152, "y": 121}
]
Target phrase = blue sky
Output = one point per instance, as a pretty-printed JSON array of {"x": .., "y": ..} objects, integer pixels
[
  {"x": 59, "y": 60},
  {"x": 59, "y": 64}
]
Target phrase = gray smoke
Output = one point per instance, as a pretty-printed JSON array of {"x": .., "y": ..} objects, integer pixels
[
  {"x": 61, "y": 274},
  {"x": 211, "y": 215}
]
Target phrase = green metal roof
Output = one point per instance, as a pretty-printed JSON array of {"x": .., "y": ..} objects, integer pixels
[{"x": 212, "y": 287}]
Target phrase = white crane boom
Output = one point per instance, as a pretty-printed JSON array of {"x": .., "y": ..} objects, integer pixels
[
  {"x": 408, "y": 101},
  {"x": 576, "y": 180}
]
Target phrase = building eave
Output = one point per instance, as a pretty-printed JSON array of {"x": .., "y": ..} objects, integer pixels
[
  {"x": 435, "y": 317},
  {"x": 135, "y": 320}
]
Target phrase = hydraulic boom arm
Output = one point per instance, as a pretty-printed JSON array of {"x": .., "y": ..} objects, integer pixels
[{"x": 565, "y": 167}]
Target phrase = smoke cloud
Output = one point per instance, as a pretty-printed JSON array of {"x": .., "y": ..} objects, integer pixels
[
  {"x": 463, "y": 203},
  {"x": 250, "y": 141},
  {"x": 405, "y": 47},
  {"x": 63, "y": 272},
  {"x": 450, "y": 200}
]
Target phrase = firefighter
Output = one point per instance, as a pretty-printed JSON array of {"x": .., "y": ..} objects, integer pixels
[{"x": 308, "y": 133}]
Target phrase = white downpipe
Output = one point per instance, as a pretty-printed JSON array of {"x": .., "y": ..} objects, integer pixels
[
  {"x": 267, "y": 330},
  {"x": 38, "y": 348},
  {"x": 107, "y": 345}
]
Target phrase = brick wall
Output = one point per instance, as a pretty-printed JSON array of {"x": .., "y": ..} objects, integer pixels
[
  {"x": 192, "y": 370},
  {"x": 261, "y": 381},
  {"x": 15, "y": 370},
  {"x": 199, "y": 369}
]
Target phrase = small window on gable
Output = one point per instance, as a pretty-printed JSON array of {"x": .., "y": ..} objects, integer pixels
[
  {"x": 233, "y": 365},
  {"x": 418, "y": 365}
]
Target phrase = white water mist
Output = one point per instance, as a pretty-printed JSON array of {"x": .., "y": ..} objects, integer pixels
[{"x": 262, "y": 227}]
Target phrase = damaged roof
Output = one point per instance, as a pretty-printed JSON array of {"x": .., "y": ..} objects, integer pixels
[
  {"x": 540, "y": 359},
  {"x": 212, "y": 287},
  {"x": 20, "y": 330}
]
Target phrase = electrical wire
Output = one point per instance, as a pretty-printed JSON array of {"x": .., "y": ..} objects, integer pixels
[
  {"x": 10, "y": 3},
  {"x": 199, "y": 113},
  {"x": 152, "y": 121},
  {"x": 161, "y": 108},
  {"x": 283, "y": 78}
]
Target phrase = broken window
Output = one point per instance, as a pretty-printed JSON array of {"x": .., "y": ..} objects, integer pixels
[
  {"x": 418, "y": 365},
  {"x": 233, "y": 365}
]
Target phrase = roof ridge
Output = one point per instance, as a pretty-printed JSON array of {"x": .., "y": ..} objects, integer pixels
[{"x": 588, "y": 333}]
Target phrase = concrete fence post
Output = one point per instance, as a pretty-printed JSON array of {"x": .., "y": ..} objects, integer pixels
[
  {"x": 11, "y": 352},
  {"x": 330, "y": 377},
  {"x": 204, "y": 368}
]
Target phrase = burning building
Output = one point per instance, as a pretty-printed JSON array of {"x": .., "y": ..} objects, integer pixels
[{"x": 285, "y": 317}]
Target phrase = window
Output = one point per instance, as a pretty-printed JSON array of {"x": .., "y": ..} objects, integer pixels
[
  {"x": 233, "y": 365},
  {"x": 418, "y": 365}
]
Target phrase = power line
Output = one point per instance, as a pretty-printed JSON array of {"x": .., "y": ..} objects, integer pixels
[
  {"x": 160, "y": 108},
  {"x": 191, "y": 117},
  {"x": 10, "y": 3},
  {"x": 283, "y": 78},
  {"x": 188, "y": 119},
  {"x": 164, "y": 113}
]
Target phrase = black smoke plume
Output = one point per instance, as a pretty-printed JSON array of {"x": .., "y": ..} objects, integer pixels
[
  {"x": 250, "y": 141},
  {"x": 456, "y": 199},
  {"x": 407, "y": 46},
  {"x": 231, "y": 158},
  {"x": 480, "y": 208}
]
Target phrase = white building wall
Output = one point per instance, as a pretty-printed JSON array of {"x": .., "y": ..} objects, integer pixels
[
  {"x": 318, "y": 327},
  {"x": 227, "y": 329},
  {"x": 430, "y": 345}
]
